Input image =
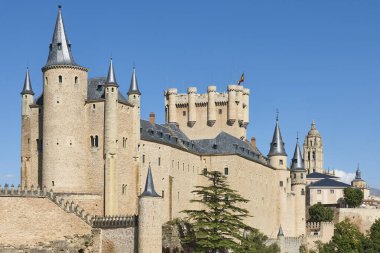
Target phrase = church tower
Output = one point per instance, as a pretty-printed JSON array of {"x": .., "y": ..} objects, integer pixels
[
  {"x": 111, "y": 92},
  {"x": 298, "y": 184},
  {"x": 150, "y": 224},
  {"x": 313, "y": 151},
  {"x": 27, "y": 98},
  {"x": 64, "y": 164}
]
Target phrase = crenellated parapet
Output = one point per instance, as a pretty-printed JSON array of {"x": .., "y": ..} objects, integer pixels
[
  {"x": 115, "y": 221},
  {"x": 204, "y": 115}
]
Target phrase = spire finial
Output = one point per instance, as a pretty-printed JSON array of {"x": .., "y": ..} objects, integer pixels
[
  {"x": 297, "y": 137},
  {"x": 59, "y": 6},
  {"x": 277, "y": 112}
]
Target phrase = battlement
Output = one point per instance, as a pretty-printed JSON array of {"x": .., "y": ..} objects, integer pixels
[
  {"x": 204, "y": 115},
  {"x": 115, "y": 221}
]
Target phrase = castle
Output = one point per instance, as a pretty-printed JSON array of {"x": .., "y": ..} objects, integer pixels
[{"x": 86, "y": 142}]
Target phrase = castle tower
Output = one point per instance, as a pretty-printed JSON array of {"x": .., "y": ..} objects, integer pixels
[
  {"x": 150, "y": 224},
  {"x": 64, "y": 164},
  {"x": 313, "y": 151},
  {"x": 27, "y": 99},
  {"x": 111, "y": 93},
  {"x": 192, "y": 111},
  {"x": 298, "y": 184},
  {"x": 277, "y": 155},
  {"x": 231, "y": 108},
  {"x": 211, "y": 109}
]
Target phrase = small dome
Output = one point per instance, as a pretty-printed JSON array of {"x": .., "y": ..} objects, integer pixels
[{"x": 313, "y": 131}]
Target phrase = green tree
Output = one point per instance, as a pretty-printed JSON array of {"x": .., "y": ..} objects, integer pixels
[
  {"x": 218, "y": 225},
  {"x": 318, "y": 213},
  {"x": 347, "y": 239},
  {"x": 372, "y": 244},
  {"x": 255, "y": 243},
  {"x": 353, "y": 197}
]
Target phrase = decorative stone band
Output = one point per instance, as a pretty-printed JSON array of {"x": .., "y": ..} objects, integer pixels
[
  {"x": 64, "y": 66},
  {"x": 115, "y": 221}
]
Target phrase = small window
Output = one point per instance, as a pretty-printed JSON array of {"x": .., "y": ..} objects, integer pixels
[
  {"x": 319, "y": 191},
  {"x": 281, "y": 184},
  {"x": 112, "y": 89},
  {"x": 163, "y": 194},
  {"x": 313, "y": 155},
  {"x": 96, "y": 141},
  {"x": 302, "y": 192},
  {"x": 143, "y": 158},
  {"x": 93, "y": 106},
  {"x": 76, "y": 80},
  {"x": 184, "y": 113},
  {"x": 159, "y": 161},
  {"x": 46, "y": 80},
  {"x": 59, "y": 45},
  {"x": 295, "y": 176},
  {"x": 281, "y": 162},
  {"x": 205, "y": 171},
  {"x": 60, "y": 79},
  {"x": 226, "y": 171},
  {"x": 92, "y": 141},
  {"x": 220, "y": 111},
  {"x": 331, "y": 191},
  {"x": 301, "y": 175},
  {"x": 52, "y": 183}
]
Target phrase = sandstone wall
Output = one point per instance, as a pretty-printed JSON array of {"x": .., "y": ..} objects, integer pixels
[{"x": 362, "y": 217}]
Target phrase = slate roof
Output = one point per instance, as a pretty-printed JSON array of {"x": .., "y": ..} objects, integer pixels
[
  {"x": 224, "y": 143},
  {"x": 329, "y": 183},
  {"x": 319, "y": 175}
]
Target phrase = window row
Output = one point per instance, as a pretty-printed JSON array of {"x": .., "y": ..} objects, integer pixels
[{"x": 60, "y": 80}]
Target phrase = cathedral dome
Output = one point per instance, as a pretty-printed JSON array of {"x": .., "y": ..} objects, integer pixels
[{"x": 313, "y": 131}]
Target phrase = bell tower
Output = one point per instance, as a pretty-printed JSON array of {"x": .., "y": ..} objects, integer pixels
[{"x": 313, "y": 151}]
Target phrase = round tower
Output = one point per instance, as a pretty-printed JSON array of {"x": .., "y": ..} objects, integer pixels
[
  {"x": 150, "y": 223},
  {"x": 313, "y": 150},
  {"x": 64, "y": 165},
  {"x": 298, "y": 185},
  {"x": 359, "y": 183},
  {"x": 111, "y": 94},
  {"x": 246, "y": 93},
  {"x": 211, "y": 109},
  {"x": 27, "y": 99},
  {"x": 172, "y": 110},
  {"x": 192, "y": 110},
  {"x": 231, "y": 108},
  {"x": 239, "y": 104}
]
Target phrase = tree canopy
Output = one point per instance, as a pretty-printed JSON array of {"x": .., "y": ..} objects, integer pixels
[
  {"x": 218, "y": 225},
  {"x": 353, "y": 197},
  {"x": 319, "y": 213}
]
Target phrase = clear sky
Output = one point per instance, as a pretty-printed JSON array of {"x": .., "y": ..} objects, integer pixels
[{"x": 310, "y": 59}]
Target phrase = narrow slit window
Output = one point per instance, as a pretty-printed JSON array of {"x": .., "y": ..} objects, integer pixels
[{"x": 60, "y": 79}]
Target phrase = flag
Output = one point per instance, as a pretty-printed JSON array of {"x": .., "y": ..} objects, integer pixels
[{"x": 241, "y": 79}]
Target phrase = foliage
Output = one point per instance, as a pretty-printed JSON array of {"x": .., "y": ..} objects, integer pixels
[
  {"x": 255, "y": 243},
  {"x": 318, "y": 213},
  {"x": 218, "y": 226},
  {"x": 347, "y": 239},
  {"x": 353, "y": 197},
  {"x": 372, "y": 244}
]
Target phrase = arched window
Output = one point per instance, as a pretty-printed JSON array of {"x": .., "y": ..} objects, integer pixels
[
  {"x": 313, "y": 155},
  {"x": 60, "y": 79},
  {"x": 96, "y": 144},
  {"x": 76, "y": 80},
  {"x": 92, "y": 140}
]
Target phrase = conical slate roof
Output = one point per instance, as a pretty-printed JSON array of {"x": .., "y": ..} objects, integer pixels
[
  {"x": 27, "y": 84},
  {"x": 149, "y": 190},
  {"x": 297, "y": 161},
  {"x": 280, "y": 232},
  {"x": 134, "y": 87},
  {"x": 277, "y": 146},
  {"x": 60, "y": 47},
  {"x": 111, "y": 77}
]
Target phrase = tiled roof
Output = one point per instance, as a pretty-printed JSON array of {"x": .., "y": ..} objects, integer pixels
[{"x": 327, "y": 182}]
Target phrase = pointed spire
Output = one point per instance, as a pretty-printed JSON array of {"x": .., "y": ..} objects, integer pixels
[
  {"x": 111, "y": 78},
  {"x": 277, "y": 146},
  {"x": 358, "y": 173},
  {"x": 297, "y": 161},
  {"x": 149, "y": 186},
  {"x": 60, "y": 47},
  {"x": 313, "y": 131},
  {"x": 280, "y": 232},
  {"x": 134, "y": 87},
  {"x": 27, "y": 84}
]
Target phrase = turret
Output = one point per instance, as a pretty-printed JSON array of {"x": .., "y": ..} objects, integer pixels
[
  {"x": 27, "y": 98},
  {"x": 134, "y": 92},
  {"x": 239, "y": 105},
  {"x": 246, "y": 93},
  {"x": 211, "y": 109},
  {"x": 298, "y": 184},
  {"x": 64, "y": 137},
  {"x": 313, "y": 150},
  {"x": 358, "y": 182},
  {"x": 231, "y": 108},
  {"x": 171, "y": 110},
  {"x": 150, "y": 223},
  {"x": 192, "y": 110},
  {"x": 277, "y": 155},
  {"x": 27, "y": 95},
  {"x": 111, "y": 93}
]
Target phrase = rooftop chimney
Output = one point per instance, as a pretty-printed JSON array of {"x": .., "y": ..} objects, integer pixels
[
  {"x": 152, "y": 118},
  {"x": 253, "y": 142}
]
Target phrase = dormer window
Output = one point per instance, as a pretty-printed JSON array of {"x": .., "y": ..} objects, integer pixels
[{"x": 59, "y": 46}]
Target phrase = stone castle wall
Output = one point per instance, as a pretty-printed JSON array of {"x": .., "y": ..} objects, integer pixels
[{"x": 362, "y": 217}]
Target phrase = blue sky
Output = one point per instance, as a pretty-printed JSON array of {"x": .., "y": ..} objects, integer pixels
[{"x": 310, "y": 59}]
